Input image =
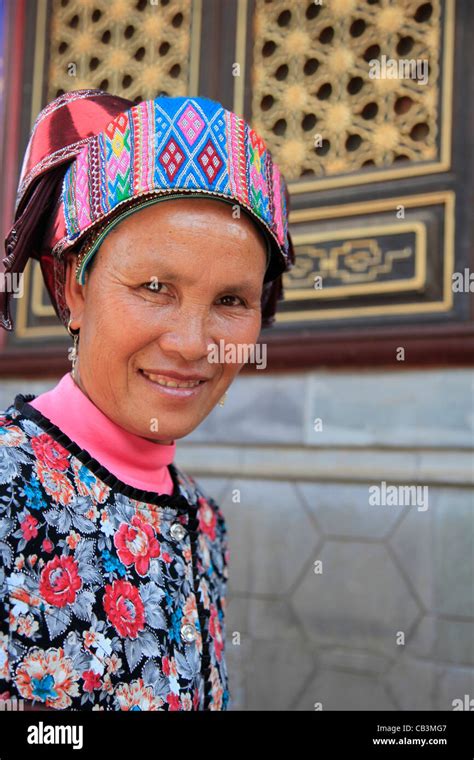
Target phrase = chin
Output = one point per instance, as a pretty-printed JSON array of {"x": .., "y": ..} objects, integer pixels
[
  {"x": 156, "y": 421},
  {"x": 168, "y": 431}
]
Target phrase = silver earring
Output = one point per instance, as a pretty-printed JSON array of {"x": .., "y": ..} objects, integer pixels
[
  {"x": 72, "y": 353},
  {"x": 222, "y": 401}
]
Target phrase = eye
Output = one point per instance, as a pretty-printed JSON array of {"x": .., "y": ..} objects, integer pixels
[
  {"x": 154, "y": 286},
  {"x": 240, "y": 301}
]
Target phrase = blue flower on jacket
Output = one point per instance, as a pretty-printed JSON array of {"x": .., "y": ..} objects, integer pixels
[
  {"x": 86, "y": 477},
  {"x": 35, "y": 499},
  {"x": 112, "y": 563},
  {"x": 43, "y": 687},
  {"x": 175, "y": 630}
]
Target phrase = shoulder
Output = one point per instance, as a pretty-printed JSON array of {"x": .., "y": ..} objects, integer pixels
[
  {"x": 15, "y": 427},
  {"x": 28, "y": 478},
  {"x": 16, "y": 479},
  {"x": 21, "y": 440},
  {"x": 16, "y": 434},
  {"x": 9, "y": 416},
  {"x": 192, "y": 490}
]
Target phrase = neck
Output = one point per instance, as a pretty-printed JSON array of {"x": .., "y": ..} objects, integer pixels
[
  {"x": 134, "y": 459},
  {"x": 76, "y": 378}
]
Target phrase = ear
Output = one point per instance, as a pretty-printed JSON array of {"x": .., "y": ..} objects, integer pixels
[{"x": 74, "y": 292}]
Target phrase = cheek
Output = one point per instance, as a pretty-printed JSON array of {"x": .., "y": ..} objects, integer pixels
[
  {"x": 114, "y": 330},
  {"x": 242, "y": 328},
  {"x": 238, "y": 332}
]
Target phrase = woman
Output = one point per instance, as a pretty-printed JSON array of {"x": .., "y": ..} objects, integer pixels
[{"x": 113, "y": 562}]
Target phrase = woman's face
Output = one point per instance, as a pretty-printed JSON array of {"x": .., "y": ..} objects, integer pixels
[{"x": 169, "y": 281}]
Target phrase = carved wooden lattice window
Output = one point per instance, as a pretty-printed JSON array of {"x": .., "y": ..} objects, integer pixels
[
  {"x": 316, "y": 98},
  {"x": 134, "y": 49}
]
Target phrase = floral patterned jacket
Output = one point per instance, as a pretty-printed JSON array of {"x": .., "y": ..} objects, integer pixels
[{"x": 111, "y": 598}]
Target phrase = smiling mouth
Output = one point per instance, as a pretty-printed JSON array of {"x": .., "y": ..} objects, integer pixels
[{"x": 167, "y": 382}]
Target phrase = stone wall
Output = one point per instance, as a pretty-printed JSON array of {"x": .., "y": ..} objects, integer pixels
[{"x": 389, "y": 622}]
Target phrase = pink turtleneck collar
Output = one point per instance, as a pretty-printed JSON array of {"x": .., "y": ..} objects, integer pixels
[{"x": 134, "y": 460}]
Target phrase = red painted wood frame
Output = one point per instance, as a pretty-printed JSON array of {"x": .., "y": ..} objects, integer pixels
[{"x": 14, "y": 43}]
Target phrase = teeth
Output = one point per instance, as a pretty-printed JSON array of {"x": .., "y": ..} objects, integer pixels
[{"x": 171, "y": 383}]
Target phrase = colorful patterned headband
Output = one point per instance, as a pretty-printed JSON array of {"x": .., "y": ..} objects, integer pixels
[{"x": 171, "y": 146}]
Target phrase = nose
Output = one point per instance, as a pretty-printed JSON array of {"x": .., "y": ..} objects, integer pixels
[{"x": 188, "y": 333}]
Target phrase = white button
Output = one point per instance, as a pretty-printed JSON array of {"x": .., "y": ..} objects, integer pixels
[
  {"x": 188, "y": 633},
  {"x": 178, "y": 531}
]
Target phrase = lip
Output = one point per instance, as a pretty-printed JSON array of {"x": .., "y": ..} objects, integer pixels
[
  {"x": 174, "y": 375},
  {"x": 174, "y": 393}
]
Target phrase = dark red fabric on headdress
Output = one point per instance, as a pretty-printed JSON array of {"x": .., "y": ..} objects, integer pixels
[{"x": 58, "y": 134}]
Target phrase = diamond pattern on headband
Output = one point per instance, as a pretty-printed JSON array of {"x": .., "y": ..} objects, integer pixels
[
  {"x": 190, "y": 124},
  {"x": 210, "y": 161},
  {"x": 171, "y": 158}
]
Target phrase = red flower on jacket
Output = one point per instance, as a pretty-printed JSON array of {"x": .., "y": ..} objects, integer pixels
[
  {"x": 47, "y": 545},
  {"x": 49, "y": 452},
  {"x": 124, "y": 608},
  {"x": 173, "y": 701},
  {"x": 91, "y": 680},
  {"x": 28, "y": 527},
  {"x": 215, "y": 630},
  {"x": 207, "y": 519},
  {"x": 59, "y": 581},
  {"x": 137, "y": 543}
]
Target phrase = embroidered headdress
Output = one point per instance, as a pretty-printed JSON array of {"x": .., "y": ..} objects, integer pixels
[{"x": 94, "y": 158}]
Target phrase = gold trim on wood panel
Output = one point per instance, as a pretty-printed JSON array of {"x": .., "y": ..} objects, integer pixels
[
  {"x": 372, "y": 207},
  {"x": 240, "y": 56},
  {"x": 195, "y": 48},
  {"x": 22, "y": 329},
  {"x": 38, "y": 290},
  {"x": 351, "y": 209},
  {"x": 391, "y": 286},
  {"x": 39, "y": 59}
]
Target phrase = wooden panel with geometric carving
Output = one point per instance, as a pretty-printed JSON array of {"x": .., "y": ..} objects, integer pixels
[{"x": 365, "y": 263}]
